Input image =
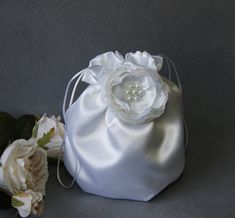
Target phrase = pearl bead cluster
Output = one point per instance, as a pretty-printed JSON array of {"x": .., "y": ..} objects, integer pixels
[{"x": 134, "y": 92}]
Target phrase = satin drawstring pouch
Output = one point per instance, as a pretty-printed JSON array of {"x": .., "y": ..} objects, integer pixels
[{"x": 125, "y": 135}]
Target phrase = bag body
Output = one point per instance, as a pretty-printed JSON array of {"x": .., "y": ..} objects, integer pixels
[{"x": 124, "y": 151}]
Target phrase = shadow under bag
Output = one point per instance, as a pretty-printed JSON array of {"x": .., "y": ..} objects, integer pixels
[{"x": 125, "y": 135}]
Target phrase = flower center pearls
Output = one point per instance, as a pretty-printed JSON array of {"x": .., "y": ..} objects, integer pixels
[{"x": 134, "y": 92}]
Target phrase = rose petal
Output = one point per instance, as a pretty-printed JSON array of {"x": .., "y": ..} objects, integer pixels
[
  {"x": 22, "y": 203},
  {"x": 18, "y": 168},
  {"x": 44, "y": 125},
  {"x": 13, "y": 160},
  {"x": 54, "y": 152},
  {"x": 27, "y": 202}
]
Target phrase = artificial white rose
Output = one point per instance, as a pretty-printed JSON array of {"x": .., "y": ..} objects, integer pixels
[
  {"x": 28, "y": 202},
  {"x": 49, "y": 132},
  {"x": 24, "y": 166},
  {"x": 131, "y": 86}
]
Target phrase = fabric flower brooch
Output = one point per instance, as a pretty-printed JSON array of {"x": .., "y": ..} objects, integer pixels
[{"x": 131, "y": 86}]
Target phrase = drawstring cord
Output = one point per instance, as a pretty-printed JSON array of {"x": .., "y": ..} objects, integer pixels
[
  {"x": 79, "y": 76},
  {"x": 170, "y": 63},
  {"x": 58, "y": 172}
]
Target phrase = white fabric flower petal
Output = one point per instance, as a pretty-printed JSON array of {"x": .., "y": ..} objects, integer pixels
[
  {"x": 148, "y": 107},
  {"x": 91, "y": 74},
  {"x": 108, "y": 59},
  {"x": 111, "y": 72},
  {"x": 100, "y": 66},
  {"x": 142, "y": 59},
  {"x": 159, "y": 62}
]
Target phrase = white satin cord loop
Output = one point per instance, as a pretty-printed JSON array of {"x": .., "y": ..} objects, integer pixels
[
  {"x": 168, "y": 62},
  {"x": 58, "y": 172},
  {"x": 79, "y": 76}
]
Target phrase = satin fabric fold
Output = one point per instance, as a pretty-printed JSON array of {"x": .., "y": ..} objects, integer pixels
[{"x": 119, "y": 160}]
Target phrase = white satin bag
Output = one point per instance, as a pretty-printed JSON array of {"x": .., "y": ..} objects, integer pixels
[{"x": 125, "y": 133}]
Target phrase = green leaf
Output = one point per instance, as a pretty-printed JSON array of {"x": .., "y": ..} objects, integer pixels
[
  {"x": 16, "y": 203},
  {"x": 24, "y": 126},
  {"x": 35, "y": 130},
  {"x": 46, "y": 138},
  {"x": 7, "y": 130}
]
